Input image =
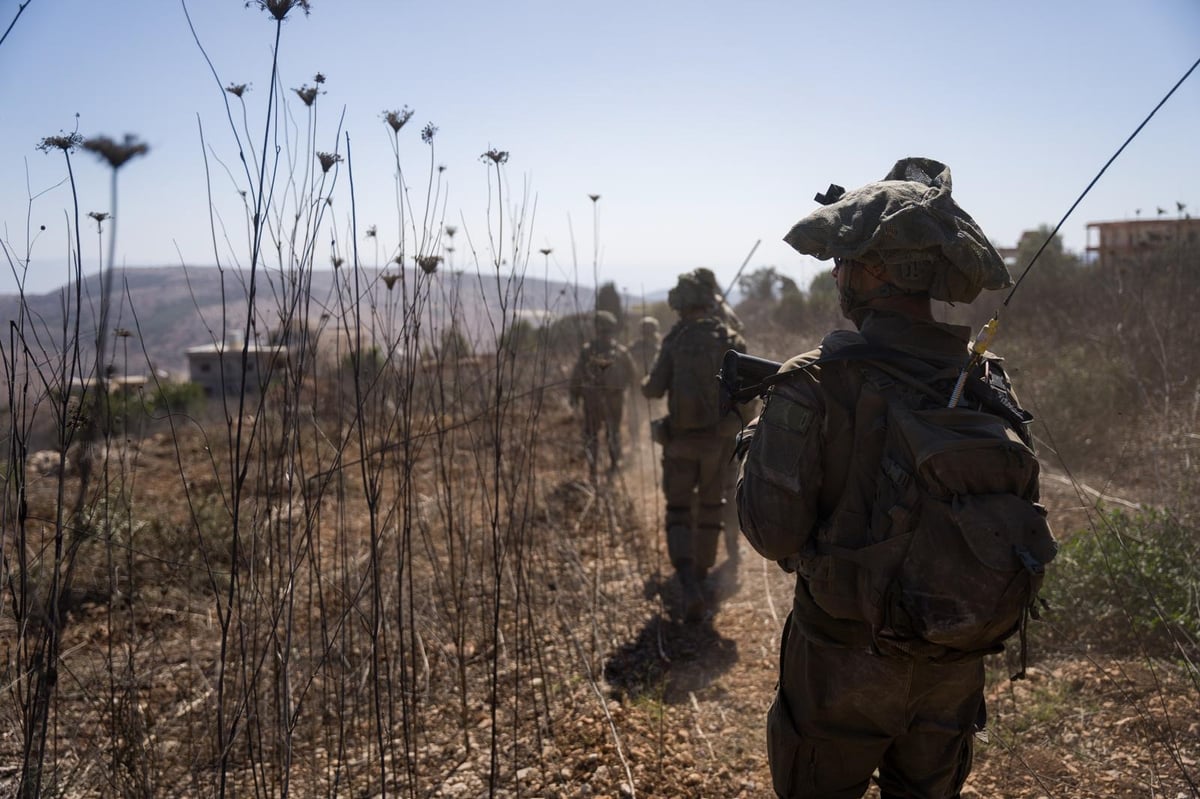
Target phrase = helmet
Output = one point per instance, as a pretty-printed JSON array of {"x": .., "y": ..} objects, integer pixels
[
  {"x": 689, "y": 293},
  {"x": 908, "y": 224},
  {"x": 606, "y": 322},
  {"x": 706, "y": 277},
  {"x": 649, "y": 325}
]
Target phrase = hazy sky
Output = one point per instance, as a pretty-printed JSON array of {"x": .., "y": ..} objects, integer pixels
[{"x": 704, "y": 126}]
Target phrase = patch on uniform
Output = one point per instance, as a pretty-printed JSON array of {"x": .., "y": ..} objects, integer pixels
[{"x": 788, "y": 415}]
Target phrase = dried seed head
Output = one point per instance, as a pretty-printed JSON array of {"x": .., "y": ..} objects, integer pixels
[
  {"x": 428, "y": 132},
  {"x": 122, "y": 332},
  {"x": 371, "y": 232},
  {"x": 116, "y": 153},
  {"x": 99, "y": 216},
  {"x": 546, "y": 250},
  {"x": 397, "y": 119},
  {"x": 429, "y": 263},
  {"x": 593, "y": 197},
  {"x": 337, "y": 261},
  {"x": 389, "y": 280},
  {"x": 328, "y": 160},
  {"x": 307, "y": 93},
  {"x": 280, "y": 8},
  {"x": 66, "y": 142},
  {"x": 319, "y": 77},
  {"x": 441, "y": 168},
  {"x": 237, "y": 89},
  {"x": 451, "y": 230},
  {"x": 495, "y": 156},
  {"x": 399, "y": 260}
]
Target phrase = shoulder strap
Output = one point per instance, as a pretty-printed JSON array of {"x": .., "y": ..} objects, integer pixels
[{"x": 914, "y": 372}]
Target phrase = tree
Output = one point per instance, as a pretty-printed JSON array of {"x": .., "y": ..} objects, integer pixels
[{"x": 769, "y": 299}]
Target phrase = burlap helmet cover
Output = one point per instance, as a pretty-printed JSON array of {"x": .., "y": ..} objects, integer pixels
[{"x": 909, "y": 224}]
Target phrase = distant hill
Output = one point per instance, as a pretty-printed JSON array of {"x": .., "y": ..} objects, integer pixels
[{"x": 169, "y": 309}]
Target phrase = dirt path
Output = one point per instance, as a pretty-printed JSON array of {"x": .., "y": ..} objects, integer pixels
[{"x": 699, "y": 691}]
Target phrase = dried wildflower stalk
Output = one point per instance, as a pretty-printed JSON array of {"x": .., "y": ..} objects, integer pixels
[
  {"x": 116, "y": 153},
  {"x": 279, "y": 9}
]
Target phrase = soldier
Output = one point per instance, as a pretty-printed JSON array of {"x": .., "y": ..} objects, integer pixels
[
  {"x": 643, "y": 351},
  {"x": 852, "y": 696},
  {"x": 602, "y": 375},
  {"x": 724, "y": 312},
  {"x": 697, "y": 441}
]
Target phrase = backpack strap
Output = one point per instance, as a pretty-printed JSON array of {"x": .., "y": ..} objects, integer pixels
[{"x": 918, "y": 374}]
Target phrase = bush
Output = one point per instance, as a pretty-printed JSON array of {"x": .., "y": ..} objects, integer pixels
[{"x": 1133, "y": 583}]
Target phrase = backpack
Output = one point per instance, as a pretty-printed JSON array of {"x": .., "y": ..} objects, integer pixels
[
  {"x": 604, "y": 367},
  {"x": 946, "y": 559},
  {"x": 694, "y": 398}
]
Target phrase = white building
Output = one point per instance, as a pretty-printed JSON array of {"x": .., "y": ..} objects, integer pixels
[{"x": 218, "y": 368}]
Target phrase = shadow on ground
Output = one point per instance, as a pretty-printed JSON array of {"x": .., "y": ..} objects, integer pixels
[{"x": 670, "y": 658}]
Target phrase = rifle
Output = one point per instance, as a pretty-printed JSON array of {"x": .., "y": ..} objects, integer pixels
[{"x": 744, "y": 377}]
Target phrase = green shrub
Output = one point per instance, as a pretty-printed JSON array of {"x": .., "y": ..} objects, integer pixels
[
  {"x": 176, "y": 398},
  {"x": 1131, "y": 584}
]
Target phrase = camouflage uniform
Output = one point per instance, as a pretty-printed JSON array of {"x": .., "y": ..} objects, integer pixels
[
  {"x": 724, "y": 312},
  {"x": 602, "y": 375},
  {"x": 843, "y": 707},
  {"x": 643, "y": 351},
  {"x": 700, "y": 441}
]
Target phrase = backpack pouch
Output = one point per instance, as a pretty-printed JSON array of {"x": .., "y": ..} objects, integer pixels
[
  {"x": 972, "y": 568},
  {"x": 961, "y": 451}
]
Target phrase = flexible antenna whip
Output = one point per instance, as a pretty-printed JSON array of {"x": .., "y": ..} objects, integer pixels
[
  {"x": 741, "y": 269},
  {"x": 1104, "y": 169},
  {"x": 980, "y": 345}
]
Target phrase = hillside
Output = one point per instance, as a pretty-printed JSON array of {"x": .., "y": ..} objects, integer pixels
[{"x": 169, "y": 309}]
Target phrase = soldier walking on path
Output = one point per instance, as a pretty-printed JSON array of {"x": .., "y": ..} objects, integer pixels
[
  {"x": 905, "y": 576},
  {"x": 602, "y": 375},
  {"x": 644, "y": 351},
  {"x": 697, "y": 441}
]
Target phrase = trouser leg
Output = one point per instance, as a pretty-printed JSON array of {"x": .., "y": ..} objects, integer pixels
[
  {"x": 712, "y": 479},
  {"x": 679, "y": 481},
  {"x": 591, "y": 434},
  {"x": 841, "y": 713}
]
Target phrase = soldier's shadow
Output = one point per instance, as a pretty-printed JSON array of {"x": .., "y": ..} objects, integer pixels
[{"x": 670, "y": 659}]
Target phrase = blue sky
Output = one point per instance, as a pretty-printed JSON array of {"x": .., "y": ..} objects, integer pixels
[{"x": 704, "y": 126}]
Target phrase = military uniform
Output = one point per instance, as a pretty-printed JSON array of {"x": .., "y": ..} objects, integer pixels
[
  {"x": 796, "y": 472},
  {"x": 602, "y": 375},
  {"x": 847, "y": 704},
  {"x": 699, "y": 444},
  {"x": 644, "y": 351}
]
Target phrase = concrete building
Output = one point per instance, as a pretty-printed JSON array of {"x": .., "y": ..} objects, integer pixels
[
  {"x": 217, "y": 368},
  {"x": 1130, "y": 239}
]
